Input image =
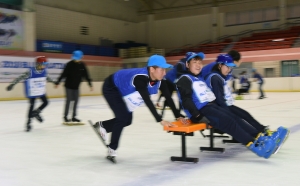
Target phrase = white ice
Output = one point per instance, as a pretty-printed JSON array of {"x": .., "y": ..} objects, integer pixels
[{"x": 53, "y": 154}]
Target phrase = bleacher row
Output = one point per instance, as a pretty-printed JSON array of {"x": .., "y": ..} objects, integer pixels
[
  {"x": 257, "y": 41},
  {"x": 130, "y": 49},
  {"x": 264, "y": 44},
  {"x": 205, "y": 48},
  {"x": 135, "y": 52}
]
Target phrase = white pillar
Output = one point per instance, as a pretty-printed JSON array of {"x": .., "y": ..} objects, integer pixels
[
  {"x": 282, "y": 11},
  {"x": 29, "y": 31},
  {"x": 150, "y": 30},
  {"x": 214, "y": 23},
  {"x": 29, "y": 25},
  {"x": 28, "y": 6}
]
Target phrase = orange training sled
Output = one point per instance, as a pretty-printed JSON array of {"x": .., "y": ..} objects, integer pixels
[
  {"x": 187, "y": 130},
  {"x": 191, "y": 127}
]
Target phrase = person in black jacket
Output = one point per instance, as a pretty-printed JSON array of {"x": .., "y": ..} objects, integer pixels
[{"x": 74, "y": 71}]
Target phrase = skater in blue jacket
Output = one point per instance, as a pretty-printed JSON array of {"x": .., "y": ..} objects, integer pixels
[
  {"x": 216, "y": 81},
  {"x": 126, "y": 90},
  {"x": 199, "y": 103},
  {"x": 35, "y": 87}
]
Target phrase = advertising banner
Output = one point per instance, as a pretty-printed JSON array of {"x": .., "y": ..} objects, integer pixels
[
  {"x": 11, "y": 29},
  {"x": 52, "y": 46},
  {"x": 13, "y": 67}
]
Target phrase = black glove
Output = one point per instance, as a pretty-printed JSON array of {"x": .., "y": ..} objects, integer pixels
[
  {"x": 202, "y": 119},
  {"x": 9, "y": 87}
]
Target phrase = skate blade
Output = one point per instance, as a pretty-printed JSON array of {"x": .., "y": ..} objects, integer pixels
[
  {"x": 73, "y": 123},
  {"x": 112, "y": 159},
  {"x": 161, "y": 108},
  {"x": 97, "y": 132},
  {"x": 285, "y": 138}
]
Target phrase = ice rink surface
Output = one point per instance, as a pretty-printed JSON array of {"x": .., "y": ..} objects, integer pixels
[{"x": 53, "y": 154}]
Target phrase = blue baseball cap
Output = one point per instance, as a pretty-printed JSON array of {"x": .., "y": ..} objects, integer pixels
[
  {"x": 191, "y": 55},
  {"x": 225, "y": 59},
  {"x": 158, "y": 60},
  {"x": 253, "y": 70},
  {"x": 77, "y": 55}
]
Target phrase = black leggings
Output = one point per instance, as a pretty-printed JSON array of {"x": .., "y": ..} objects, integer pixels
[
  {"x": 32, "y": 101},
  {"x": 242, "y": 91},
  {"x": 122, "y": 118},
  {"x": 247, "y": 117},
  {"x": 229, "y": 123}
]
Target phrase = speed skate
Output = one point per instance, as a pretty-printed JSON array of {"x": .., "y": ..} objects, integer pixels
[
  {"x": 96, "y": 129},
  {"x": 73, "y": 123}
]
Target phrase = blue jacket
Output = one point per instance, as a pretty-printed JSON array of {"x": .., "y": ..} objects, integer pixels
[
  {"x": 207, "y": 69},
  {"x": 259, "y": 78},
  {"x": 35, "y": 85},
  {"x": 222, "y": 91}
]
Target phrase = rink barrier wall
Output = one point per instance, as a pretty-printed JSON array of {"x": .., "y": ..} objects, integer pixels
[
  {"x": 109, "y": 65},
  {"x": 17, "y": 93},
  {"x": 283, "y": 84}
]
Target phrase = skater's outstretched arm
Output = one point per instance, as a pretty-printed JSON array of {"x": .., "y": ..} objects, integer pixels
[
  {"x": 25, "y": 75},
  {"x": 49, "y": 79},
  {"x": 165, "y": 91},
  {"x": 86, "y": 75},
  {"x": 141, "y": 83},
  {"x": 63, "y": 74}
]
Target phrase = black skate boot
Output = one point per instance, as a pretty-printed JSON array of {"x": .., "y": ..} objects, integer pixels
[
  {"x": 75, "y": 120},
  {"x": 28, "y": 126},
  {"x": 66, "y": 119},
  {"x": 36, "y": 114}
]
